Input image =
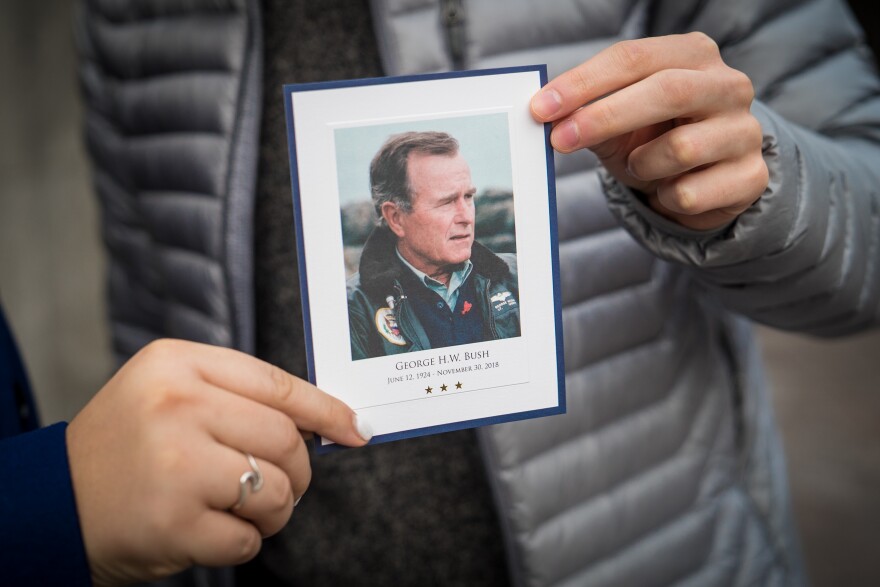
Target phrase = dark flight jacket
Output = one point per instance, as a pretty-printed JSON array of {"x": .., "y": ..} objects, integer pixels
[{"x": 378, "y": 290}]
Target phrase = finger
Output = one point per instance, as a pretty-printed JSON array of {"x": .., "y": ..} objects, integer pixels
[
  {"x": 251, "y": 427},
  {"x": 619, "y": 66},
  {"x": 309, "y": 407},
  {"x": 689, "y": 146},
  {"x": 267, "y": 505},
  {"x": 721, "y": 191},
  {"x": 664, "y": 96},
  {"x": 219, "y": 538}
]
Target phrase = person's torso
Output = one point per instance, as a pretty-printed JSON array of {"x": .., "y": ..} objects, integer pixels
[{"x": 650, "y": 476}]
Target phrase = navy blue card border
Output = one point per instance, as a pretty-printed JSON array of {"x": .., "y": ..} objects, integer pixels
[{"x": 288, "y": 89}]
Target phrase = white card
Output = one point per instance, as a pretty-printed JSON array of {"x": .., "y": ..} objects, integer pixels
[{"x": 462, "y": 191}]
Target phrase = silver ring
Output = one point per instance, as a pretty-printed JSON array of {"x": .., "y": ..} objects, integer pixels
[{"x": 250, "y": 481}]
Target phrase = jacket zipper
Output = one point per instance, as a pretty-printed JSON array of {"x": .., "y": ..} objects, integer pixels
[
  {"x": 491, "y": 314},
  {"x": 405, "y": 330}
]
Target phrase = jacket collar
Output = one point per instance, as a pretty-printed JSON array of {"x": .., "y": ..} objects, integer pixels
[{"x": 380, "y": 268}]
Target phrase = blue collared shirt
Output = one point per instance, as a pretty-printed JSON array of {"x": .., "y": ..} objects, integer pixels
[{"x": 456, "y": 279}]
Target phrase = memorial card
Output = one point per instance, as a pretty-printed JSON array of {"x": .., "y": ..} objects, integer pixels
[{"x": 426, "y": 232}]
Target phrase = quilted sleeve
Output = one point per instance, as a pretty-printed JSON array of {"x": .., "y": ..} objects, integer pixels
[{"x": 805, "y": 256}]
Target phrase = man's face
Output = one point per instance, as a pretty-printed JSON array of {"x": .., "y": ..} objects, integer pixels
[{"x": 439, "y": 231}]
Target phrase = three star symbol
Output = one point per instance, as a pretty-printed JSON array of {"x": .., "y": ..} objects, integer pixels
[{"x": 443, "y": 387}]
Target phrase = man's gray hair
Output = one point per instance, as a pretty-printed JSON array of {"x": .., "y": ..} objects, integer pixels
[{"x": 389, "y": 181}]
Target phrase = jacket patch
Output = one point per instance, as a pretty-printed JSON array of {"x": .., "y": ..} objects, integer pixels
[
  {"x": 387, "y": 326},
  {"x": 502, "y": 301}
]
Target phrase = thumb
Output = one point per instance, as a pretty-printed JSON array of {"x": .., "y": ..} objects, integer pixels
[
  {"x": 315, "y": 411},
  {"x": 310, "y": 408}
]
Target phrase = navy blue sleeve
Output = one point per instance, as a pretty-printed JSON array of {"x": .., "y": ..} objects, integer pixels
[
  {"x": 18, "y": 410},
  {"x": 40, "y": 539}
]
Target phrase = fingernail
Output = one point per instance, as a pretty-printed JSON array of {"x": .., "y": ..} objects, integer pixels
[
  {"x": 630, "y": 172},
  {"x": 298, "y": 499},
  {"x": 566, "y": 136},
  {"x": 546, "y": 103},
  {"x": 363, "y": 428}
]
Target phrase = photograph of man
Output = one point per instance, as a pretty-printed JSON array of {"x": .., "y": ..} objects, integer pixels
[{"x": 423, "y": 281}]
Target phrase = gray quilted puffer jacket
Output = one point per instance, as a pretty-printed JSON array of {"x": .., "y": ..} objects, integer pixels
[{"x": 667, "y": 468}]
